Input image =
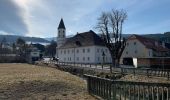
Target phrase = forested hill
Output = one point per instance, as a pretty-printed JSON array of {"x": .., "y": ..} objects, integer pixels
[{"x": 13, "y": 38}]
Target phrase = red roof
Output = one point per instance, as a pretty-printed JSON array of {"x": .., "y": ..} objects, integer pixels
[{"x": 149, "y": 43}]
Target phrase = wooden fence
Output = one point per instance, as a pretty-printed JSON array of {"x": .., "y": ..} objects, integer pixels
[
  {"x": 124, "y": 71},
  {"x": 147, "y": 71},
  {"x": 124, "y": 90}
]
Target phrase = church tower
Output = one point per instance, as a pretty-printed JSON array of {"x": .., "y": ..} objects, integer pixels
[{"x": 61, "y": 33}]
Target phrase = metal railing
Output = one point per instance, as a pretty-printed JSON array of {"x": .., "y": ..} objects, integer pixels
[
  {"x": 124, "y": 71},
  {"x": 90, "y": 65},
  {"x": 126, "y": 90}
]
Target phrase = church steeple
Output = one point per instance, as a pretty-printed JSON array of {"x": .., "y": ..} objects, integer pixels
[
  {"x": 61, "y": 25},
  {"x": 61, "y": 33}
]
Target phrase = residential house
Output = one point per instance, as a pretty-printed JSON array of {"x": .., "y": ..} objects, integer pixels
[{"x": 140, "y": 51}]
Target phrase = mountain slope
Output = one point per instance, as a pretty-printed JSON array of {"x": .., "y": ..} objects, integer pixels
[{"x": 13, "y": 38}]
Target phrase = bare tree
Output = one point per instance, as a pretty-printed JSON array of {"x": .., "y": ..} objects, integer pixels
[{"x": 110, "y": 24}]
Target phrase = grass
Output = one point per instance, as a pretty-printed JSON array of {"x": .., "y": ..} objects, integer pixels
[{"x": 30, "y": 82}]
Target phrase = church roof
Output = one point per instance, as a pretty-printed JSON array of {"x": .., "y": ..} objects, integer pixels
[
  {"x": 89, "y": 38},
  {"x": 61, "y": 25}
]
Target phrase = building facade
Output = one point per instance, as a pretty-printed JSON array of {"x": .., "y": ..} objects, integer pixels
[
  {"x": 86, "y": 47},
  {"x": 138, "y": 47}
]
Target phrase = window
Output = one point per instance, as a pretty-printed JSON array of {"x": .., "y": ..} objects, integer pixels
[
  {"x": 88, "y": 58},
  {"x": 136, "y": 52},
  {"x": 83, "y": 50},
  {"x": 68, "y": 51},
  {"x": 88, "y": 50},
  {"x": 98, "y": 50},
  {"x": 70, "y": 58},
  {"x": 77, "y": 51},
  {"x": 126, "y": 52},
  {"x": 134, "y": 43},
  {"x": 83, "y": 58},
  {"x": 64, "y": 51}
]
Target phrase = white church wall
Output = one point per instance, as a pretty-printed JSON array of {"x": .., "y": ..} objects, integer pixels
[
  {"x": 99, "y": 57},
  {"x": 89, "y": 54}
]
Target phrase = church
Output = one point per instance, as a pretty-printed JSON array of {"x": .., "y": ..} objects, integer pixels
[{"x": 85, "y": 47}]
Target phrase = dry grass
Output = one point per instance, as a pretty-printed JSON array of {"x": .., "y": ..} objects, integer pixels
[
  {"x": 29, "y": 82},
  {"x": 144, "y": 78}
]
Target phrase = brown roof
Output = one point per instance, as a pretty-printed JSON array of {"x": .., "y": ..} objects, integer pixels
[
  {"x": 89, "y": 38},
  {"x": 149, "y": 43}
]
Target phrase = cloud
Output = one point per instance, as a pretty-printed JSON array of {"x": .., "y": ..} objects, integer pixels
[
  {"x": 11, "y": 20},
  {"x": 40, "y": 18},
  {"x": 43, "y": 16}
]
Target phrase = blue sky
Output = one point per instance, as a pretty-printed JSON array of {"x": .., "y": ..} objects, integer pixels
[{"x": 40, "y": 18}]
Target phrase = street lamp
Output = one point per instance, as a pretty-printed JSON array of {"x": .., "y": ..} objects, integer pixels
[{"x": 103, "y": 55}]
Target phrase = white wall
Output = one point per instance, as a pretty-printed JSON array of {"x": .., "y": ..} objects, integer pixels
[
  {"x": 98, "y": 54},
  {"x": 135, "y": 49},
  {"x": 61, "y": 37},
  {"x": 89, "y": 54}
]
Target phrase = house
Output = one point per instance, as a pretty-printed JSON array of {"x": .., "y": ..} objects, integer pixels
[
  {"x": 86, "y": 47},
  {"x": 32, "y": 55},
  {"x": 140, "y": 51}
]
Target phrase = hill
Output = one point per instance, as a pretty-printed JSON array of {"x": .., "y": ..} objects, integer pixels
[{"x": 13, "y": 38}]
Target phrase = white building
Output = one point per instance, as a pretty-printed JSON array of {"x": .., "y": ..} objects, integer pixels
[
  {"x": 86, "y": 47},
  {"x": 32, "y": 54},
  {"x": 142, "y": 48}
]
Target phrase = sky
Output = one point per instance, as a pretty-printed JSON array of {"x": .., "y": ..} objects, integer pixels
[{"x": 40, "y": 18}]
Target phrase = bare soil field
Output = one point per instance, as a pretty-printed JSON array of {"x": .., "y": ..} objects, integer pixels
[{"x": 30, "y": 82}]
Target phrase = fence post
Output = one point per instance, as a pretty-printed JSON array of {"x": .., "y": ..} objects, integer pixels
[
  {"x": 88, "y": 84},
  {"x": 168, "y": 75},
  {"x": 134, "y": 71},
  {"x": 110, "y": 68},
  {"x": 122, "y": 72},
  {"x": 147, "y": 72}
]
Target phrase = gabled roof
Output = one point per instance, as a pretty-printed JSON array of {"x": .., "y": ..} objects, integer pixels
[
  {"x": 149, "y": 43},
  {"x": 83, "y": 39},
  {"x": 61, "y": 25}
]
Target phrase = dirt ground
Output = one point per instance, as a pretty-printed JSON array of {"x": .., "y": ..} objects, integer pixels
[{"x": 30, "y": 82}]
